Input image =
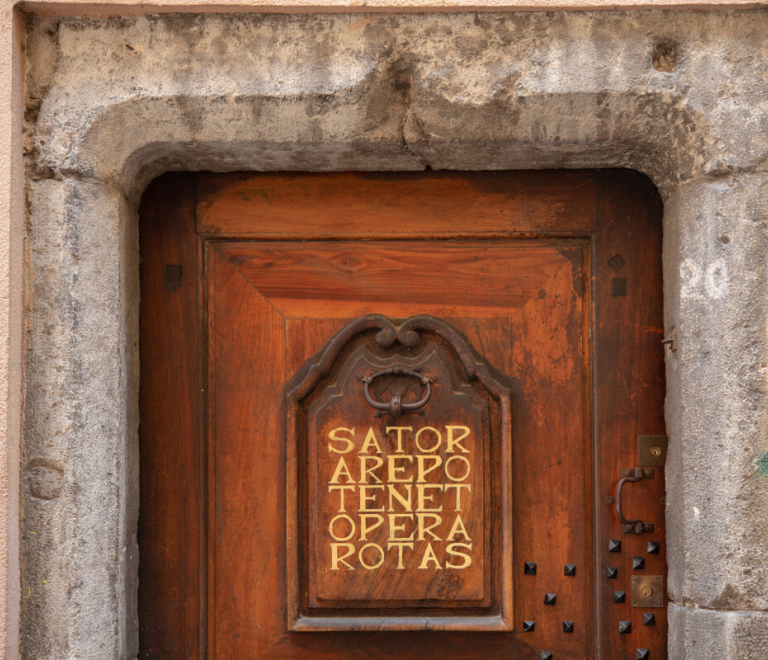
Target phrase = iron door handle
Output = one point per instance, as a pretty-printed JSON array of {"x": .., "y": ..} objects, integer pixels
[
  {"x": 632, "y": 475},
  {"x": 396, "y": 406}
]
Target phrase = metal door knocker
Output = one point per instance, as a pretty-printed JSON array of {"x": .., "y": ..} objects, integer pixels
[{"x": 395, "y": 405}]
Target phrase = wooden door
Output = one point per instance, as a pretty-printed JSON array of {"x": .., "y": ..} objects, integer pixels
[{"x": 386, "y": 415}]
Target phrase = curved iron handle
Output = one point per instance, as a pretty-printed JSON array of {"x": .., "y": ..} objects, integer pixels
[
  {"x": 395, "y": 406},
  {"x": 632, "y": 475}
]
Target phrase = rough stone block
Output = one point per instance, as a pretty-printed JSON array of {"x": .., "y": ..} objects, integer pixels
[
  {"x": 80, "y": 429},
  {"x": 674, "y": 94},
  {"x": 716, "y": 300},
  {"x": 697, "y": 634}
]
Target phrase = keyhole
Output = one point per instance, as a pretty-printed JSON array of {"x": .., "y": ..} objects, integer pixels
[
  {"x": 647, "y": 592},
  {"x": 655, "y": 451}
]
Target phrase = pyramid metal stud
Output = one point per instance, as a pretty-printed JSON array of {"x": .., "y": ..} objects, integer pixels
[
  {"x": 567, "y": 626},
  {"x": 530, "y": 568},
  {"x": 649, "y": 619},
  {"x": 643, "y": 654},
  {"x": 529, "y": 626},
  {"x": 614, "y": 545},
  {"x": 619, "y": 596},
  {"x": 545, "y": 655},
  {"x": 625, "y": 627},
  {"x": 549, "y": 599},
  {"x": 570, "y": 570},
  {"x": 652, "y": 547},
  {"x": 638, "y": 563},
  {"x": 616, "y": 262},
  {"x": 611, "y": 572}
]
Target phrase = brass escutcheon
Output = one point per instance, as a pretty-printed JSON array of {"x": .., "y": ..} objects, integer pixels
[{"x": 647, "y": 591}]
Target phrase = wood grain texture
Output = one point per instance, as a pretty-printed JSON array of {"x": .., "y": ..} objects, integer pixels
[
  {"x": 585, "y": 369},
  {"x": 551, "y": 365},
  {"x": 398, "y": 278},
  {"x": 171, "y": 532},
  {"x": 389, "y": 205},
  {"x": 246, "y": 466},
  {"x": 629, "y": 400}
]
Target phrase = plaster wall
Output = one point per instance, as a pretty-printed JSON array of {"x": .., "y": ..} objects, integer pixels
[{"x": 112, "y": 103}]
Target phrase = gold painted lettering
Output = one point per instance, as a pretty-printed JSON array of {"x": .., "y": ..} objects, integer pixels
[
  {"x": 424, "y": 498},
  {"x": 334, "y": 435},
  {"x": 458, "y": 488},
  {"x": 365, "y": 498},
  {"x": 400, "y": 547},
  {"x": 365, "y": 527},
  {"x": 366, "y": 471},
  {"x": 399, "y": 430},
  {"x": 370, "y": 441},
  {"x": 335, "y": 559},
  {"x": 457, "y": 458},
  {"x": 454, "y": 442},
  {"x": 381, "y": 556},
  {"x": 438, "y": 439},
  {"x": 454, "y": 553},
  {"x": 429, "y": 556},
  {"x": 342, "y": 470},
  {"x": 394, "y": 528},
  {"x": 423, "y": 470},
  {"x": 458, "y": 528},
  {"x": 331, "y": 527},
  {"x": 394, "y": 469},
  {"x": 341, "y": 489},
  {"x": 406, "y": 503},
  {"x": 427, "y": 529}
]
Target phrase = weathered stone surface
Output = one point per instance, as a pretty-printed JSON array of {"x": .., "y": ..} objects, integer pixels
[
  {"x": 682, "y": 96},
  {"x": 45, "y": 479},
  {"x": 401, "y": 92},
  {"x": 716, "y": 299},
  {"x": 79, "y": 547},
  {"x": 697, "y": 634}
]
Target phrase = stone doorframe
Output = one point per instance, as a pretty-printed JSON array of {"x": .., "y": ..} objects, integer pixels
[{"x": 112, "y": 103}]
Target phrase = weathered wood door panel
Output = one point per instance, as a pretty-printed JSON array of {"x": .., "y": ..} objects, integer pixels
[{"x": 256, "y": 425}]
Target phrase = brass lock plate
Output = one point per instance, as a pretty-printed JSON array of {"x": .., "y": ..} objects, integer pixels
[
  {"x": 647, "y": 591},
  {"x": 652, "y": 450}
]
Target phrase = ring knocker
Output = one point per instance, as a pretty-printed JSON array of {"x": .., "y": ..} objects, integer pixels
[{"x": 395, "y": 405}]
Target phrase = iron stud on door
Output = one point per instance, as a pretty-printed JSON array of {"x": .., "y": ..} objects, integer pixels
[{"x": 625, "y": 627}]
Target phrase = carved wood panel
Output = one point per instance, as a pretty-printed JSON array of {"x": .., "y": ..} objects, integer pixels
[{"x": 405, "y": 499}]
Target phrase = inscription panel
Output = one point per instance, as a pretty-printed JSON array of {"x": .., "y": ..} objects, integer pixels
[
  {"x": 397, "y": 497},
  {"x": 403, "y": 477}
]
